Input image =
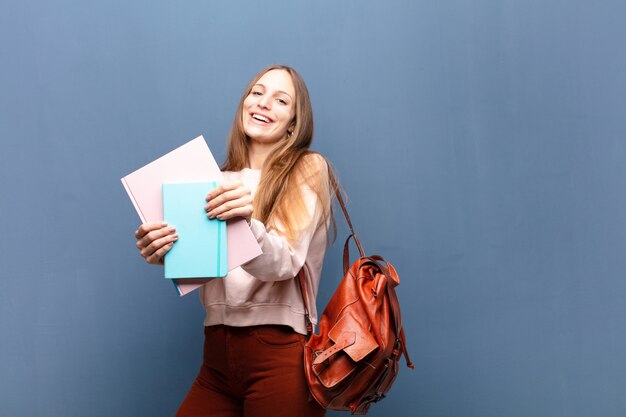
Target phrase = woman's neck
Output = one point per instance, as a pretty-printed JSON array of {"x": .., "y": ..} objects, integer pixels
[{"x": 258, "y": 153}]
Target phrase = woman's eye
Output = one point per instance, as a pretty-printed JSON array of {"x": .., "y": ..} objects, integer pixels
[
  {"x": 256, "y": 93},
  {"x": 281, "y": 101}
]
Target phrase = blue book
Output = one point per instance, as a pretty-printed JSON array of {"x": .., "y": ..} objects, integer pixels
[{"x": 201, "y": 250}]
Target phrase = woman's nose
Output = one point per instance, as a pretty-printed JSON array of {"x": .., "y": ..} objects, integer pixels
[{"x": 265, "y": 102}]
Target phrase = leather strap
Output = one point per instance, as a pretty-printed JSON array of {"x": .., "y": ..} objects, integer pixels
[
  {"x": 347, "y": 339},
  {"x": 307, "y": 317},
  {"x": 346, "y": 253},
  {"x": 333, "y": 183},
  {"x": 395, "y": 307}
]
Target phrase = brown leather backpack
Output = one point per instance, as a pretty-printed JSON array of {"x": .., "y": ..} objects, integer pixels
[{"x": 353, "y": 360}]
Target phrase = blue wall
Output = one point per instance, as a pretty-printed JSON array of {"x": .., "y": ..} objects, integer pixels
[{"x": 483, "y": 146}]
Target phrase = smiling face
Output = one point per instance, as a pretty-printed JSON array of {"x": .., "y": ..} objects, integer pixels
[{"x": 269, "y": 109}]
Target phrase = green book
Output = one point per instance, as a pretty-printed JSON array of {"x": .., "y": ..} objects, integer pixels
[{"x": 201, "y": 250}]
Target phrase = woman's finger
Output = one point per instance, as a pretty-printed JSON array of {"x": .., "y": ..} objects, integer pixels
[
  {"x": 245, "y": 212},
  {"x": 226, "y": 196},
  {"x": 145, "y": 228},
  {"x": 214, "y": 193},
  {"x": 157, "y": 244},
  {"x": 154, "y": 235},
  {"x": 157, "y": 257},
  {"x": 242, "y": 202},
  {"x": 225, "y": 186}
]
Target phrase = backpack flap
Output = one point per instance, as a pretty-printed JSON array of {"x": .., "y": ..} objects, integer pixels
[
  {"x": 364, "y": 343},
  {"x": 351, "y": 345}
]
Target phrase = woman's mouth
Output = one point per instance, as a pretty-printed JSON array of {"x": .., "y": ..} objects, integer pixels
[{"x": 261, "y": 118}]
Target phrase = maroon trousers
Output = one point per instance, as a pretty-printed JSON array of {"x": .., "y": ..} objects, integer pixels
[{"x": 253, "y": 371}]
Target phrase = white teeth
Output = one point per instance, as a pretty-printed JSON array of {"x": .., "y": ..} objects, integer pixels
[{"x": 261, "y": 118}]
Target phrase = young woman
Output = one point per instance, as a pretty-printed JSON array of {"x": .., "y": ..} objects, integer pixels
[{"x": 255, "y": 325}]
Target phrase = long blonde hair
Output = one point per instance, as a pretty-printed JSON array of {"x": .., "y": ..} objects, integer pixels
[{"x": 279, "y": 200}]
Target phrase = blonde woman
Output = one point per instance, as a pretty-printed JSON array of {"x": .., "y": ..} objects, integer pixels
[{"x": 255, "y": 325}]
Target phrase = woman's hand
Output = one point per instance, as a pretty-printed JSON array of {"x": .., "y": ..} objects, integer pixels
[
  {"x": 229, "y": 200},
  {"x": 154, "y": 240}
]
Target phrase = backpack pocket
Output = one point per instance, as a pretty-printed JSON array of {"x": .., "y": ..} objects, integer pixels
[{"x": 352, "y": 343}]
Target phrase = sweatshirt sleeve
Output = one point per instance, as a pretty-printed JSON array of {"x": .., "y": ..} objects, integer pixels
[{"x": 282, "y": 258}]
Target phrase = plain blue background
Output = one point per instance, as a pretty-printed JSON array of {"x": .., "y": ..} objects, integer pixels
[{"x": 482, "y": 144}]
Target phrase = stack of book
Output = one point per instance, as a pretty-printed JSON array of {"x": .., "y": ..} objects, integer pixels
[{"x": 173, "y": 189}]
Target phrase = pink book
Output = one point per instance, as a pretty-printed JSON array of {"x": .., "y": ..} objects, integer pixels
[{"x": 191, "y": 162}]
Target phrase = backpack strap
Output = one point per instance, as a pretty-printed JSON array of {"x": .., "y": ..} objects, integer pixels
[
  {"x": 307, "y": 317},
  {"x": 392, "y": 283},
  {"x": 333, "y": 183},
  {"x": 346, "y": 254},
  {"x": 395, "y": 305}
]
